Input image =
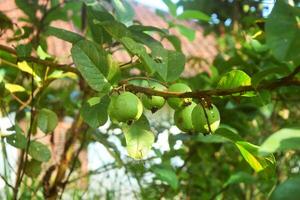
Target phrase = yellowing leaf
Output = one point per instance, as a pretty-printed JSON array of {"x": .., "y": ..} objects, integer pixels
[
  {"x": 25, "y": 67},
  {"x": 250, "y": 153},
  {"x": 60, "y": 74},
  {"x": 14, "y": 88},
  {"x": 139, "y": 138},
  {"x": 251, "y": 159}
]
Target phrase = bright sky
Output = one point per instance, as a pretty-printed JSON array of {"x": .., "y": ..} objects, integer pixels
[
  {"x": 154, "y": 3},
  {"x": 268, "y": 4}
]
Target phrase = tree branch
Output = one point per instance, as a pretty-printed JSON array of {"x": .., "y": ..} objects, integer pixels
[
  {"x": 283, "y": 82},
  {"x": 63, "y": 67},
  {"x": 7, "y": 183},
  {"x": 214, "y": 92}
]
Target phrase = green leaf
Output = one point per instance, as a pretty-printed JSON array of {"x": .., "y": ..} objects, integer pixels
[
  {"x": 39, "y": 151},
  {"x": 124, "y": 10},
  {"x": 94, "y": 111},
  {"x": 284, "y": 41},
  {"x": 96, "y": 12},
  {"x": 229, "y": 133},
  {"x": 42, "y": 54},
  {"x": 139, "y": 138},
  {"x": 167, "y": 174},
  {"x": 174, "y": 66},
  {"x": 2, "y": 85},
  {"x": 189, "y": 33},
  {"x": 63, "y": 12},
  {"x": 24, "y": 50},
  {"x": 288, "y": 190},
  {"x": 47, "y": 120},
  {"x": 33, "y": 168},
  {"x": 262, "y": 164},
  {"x": 63, "y": 34},
  {"x": 258, "y": 47},
  {"x": 116, "y": 29},
  {"x": 258, "y": 77},
  {"x": 210, "y": 138},
  {"x": 140, "y": 51},
  {"x": 240, "y": 177},
  {"x": 234, "y": 79},
  {"x": 114, "y": 73},
  {"x": 194, "y": 14},
  {"x": 91, "y": 61},
  {"x": 282, "y": 140},
  {"x": 5, "y": 22},
  {"x": 28, "y": 7},
  {"x": 142, "y": 28},
  {"x": 172, "y": 7},
  {"x": 174, "y": 41},
  {"x": 171, "y": 63},
  {"x": 17, "y": 139}
]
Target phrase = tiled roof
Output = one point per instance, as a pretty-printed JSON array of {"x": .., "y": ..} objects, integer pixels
[{"x": 203, "y": 47}]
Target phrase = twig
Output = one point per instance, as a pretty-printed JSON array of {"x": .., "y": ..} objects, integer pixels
[
  {"x": 93, "y": 172},
  {"x": 18, "y": 100},
  {"x": 293, "y": 74},
  {"x": 206, "y": 117},
  {"x": 23, "y": 161},
  {"x": 7, "y": 183},
  {"x": 63, "y": 67},
  {"x": 73, "y": 165},
  {"x": 218, "y": 193},
  {"x": 36, "y": 93},
  {"x": 143, "y": 78},
  {"x": 214, "y": 92}
]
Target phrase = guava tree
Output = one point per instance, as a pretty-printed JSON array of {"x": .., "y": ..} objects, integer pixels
[{"x": 239, "y": 125}]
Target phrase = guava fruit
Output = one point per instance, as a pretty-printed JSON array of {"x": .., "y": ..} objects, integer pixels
[
  {"x": 179, "y": 103},
  {"x": 201, "y": 123},
  {"x": 126, "y": 107},
  {"x": 111, "y": 111},
  {"x": 183, "y": 118},
  {"x": 153, "y": 103}
]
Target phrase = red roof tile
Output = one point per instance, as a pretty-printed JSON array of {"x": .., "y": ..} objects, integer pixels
[{"x": 203, "y": 47}]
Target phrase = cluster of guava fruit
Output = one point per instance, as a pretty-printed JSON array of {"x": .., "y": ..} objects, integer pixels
[{"x": 190, "y": 117}]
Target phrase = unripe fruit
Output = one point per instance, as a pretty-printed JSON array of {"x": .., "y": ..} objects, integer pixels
[
  {"x": 126, "y": 107},
  {"x": 200, "y": 121},
  {"x": 183, "y": 118},
  {"x": 179, "y": 103},
  {"x": 111, "y": 111},
  {"x": 153, "y": 103}
]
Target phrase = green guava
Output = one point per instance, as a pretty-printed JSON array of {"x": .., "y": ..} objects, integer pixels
[
  {"x": 201, "y": 123},
  {"x": 183, "y": 118},
  {"x": 126, "y": 107},
  {"x": 153, "y": 103},
  {"x": 179, "y": 103},
  {"x": 111, "y": 111}
]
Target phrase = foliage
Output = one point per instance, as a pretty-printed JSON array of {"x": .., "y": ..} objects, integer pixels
[{"x": 253, "y": 82}]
